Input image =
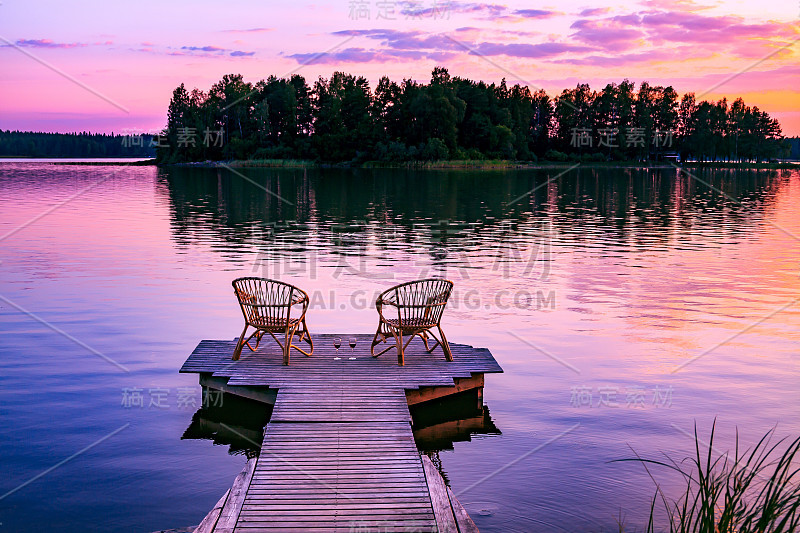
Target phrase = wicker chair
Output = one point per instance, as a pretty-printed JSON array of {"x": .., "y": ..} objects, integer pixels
[
  {"x": 267, "y": 307},
  {"x": 419, "y": 306}
]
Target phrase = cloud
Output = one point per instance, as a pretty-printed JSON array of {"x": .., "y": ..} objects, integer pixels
[
  {"x": 531, "y": 51},
  {"x": 666, "y": 29},
  {"x": 783, "y": 78},
  {"x": 621, "y": 60},
  {"x": 439, "y": 45},
  {"x": 45, "y": 43},
  {"x": 608, "y": 34},
  {"x": 445, "y": 9},
  {"x": 684, "y": 5},
  {"x": 671, "y": 26},
  {"x": 364, "y": 55},
  {"x": 216, "y": 49},
  {"x": 535, "y": 13},
  {"x": 404, "y": 40},
  {"x": 250, "y": 30},
  {"x": 598, "y": 38},
  {"x": 498, "y": 32},
  {"x": 395, "y": 44},
  {"x": 207, "y": 51},
  {"x": 594, "y": 11}
]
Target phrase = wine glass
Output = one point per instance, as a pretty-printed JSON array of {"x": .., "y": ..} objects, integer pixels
[
  {"x": 337, "y": 342},
  {"x": 352, "y": 344}
]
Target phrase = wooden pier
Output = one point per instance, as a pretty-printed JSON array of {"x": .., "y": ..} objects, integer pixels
[{"x": 338, "y": 453}]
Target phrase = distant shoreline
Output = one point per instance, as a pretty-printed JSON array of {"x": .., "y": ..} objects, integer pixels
[
  {"x": 443, "y": 165},
  {"x": 412, "y": 165}
]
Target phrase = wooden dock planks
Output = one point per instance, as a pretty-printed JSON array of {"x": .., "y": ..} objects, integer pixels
[
  {"x": 343, "y": 460},
  {"x": 338, "y": 453},
  {"x": 345, "y": 404},
  {"x": 264, "y": 368},
  {"x": 349, "y": 476}
]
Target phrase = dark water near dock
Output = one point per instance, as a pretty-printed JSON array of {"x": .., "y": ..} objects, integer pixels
[{"x": 591, "y": 291}]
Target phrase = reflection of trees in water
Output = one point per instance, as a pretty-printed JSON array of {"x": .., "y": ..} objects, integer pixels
[{"x": 445, "y": 211}]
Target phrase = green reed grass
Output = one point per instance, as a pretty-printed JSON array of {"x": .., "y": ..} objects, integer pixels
[{"x": 755, "y": 490}]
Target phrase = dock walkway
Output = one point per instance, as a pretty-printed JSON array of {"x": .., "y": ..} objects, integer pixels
[{"x": 338, "y": 453}]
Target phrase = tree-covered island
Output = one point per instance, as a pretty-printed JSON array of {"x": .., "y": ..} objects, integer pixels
[{"x": 342, "y": 120}]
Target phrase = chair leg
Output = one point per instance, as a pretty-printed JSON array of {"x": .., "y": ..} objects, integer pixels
[
  {"x": 310, "y": 342},
  {"x": 287, "y": 345},
  {"x": 258, "y": 340},
  {"x": 237, "y": 352},
  {"x": 424, "y": 336},
  {"x": 257, "y": 334},
  {"x": 303, "y": 334},
  {"x": 400, "y": 357},
  {"x": 445, "y": 345},
  {"x": 432, "y": 336},
  {"x": 376, "y": 342}
]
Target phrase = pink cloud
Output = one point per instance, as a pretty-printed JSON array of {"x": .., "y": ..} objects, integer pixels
[
  {"x": 200, "y": 51},
  {"x": 251, "y": 30},
  {"x": 405, "y": 40},
  {"x": 621, "y": 60},
  {"x": 531, "y": 51},
  {"x": 45, "y": 43},
  {"x": 608, "y": 34},
  {"x": 686, "y": 27},
  {"x": 535, "y": 13},
  {"x": 781, "y": 78},
  {"x": 684, "y": 5},
  {"x": 656, "y": 28},
  {"x": 363, "y": 55},
  {"x": 691, "y": 27},
  {"x": 594, "y": 12},
  {"x": 444, "y": 9},
  {"x": 435, "y": 46},
  {"x": 761, "y": 49},
  {"x": 203, "y": 48}
]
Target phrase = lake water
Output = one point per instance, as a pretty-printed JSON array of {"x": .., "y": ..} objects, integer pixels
[{"x": 591, "y": 289}]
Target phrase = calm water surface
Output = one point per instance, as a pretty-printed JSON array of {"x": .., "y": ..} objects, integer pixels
[{"x": 591, "y": 291}]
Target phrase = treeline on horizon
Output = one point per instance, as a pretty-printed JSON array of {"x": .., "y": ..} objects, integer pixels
[
  {"x": 84, "y": 144},
  {"x": 341, "y": 119}
]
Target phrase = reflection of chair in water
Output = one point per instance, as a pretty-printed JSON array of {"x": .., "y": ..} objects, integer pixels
[
  {"x": 267, "y": 306},
  {"x": 419, "y": 306}
]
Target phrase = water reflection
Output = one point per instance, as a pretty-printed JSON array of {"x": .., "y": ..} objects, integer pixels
[
  {"x": 641, "y": 271},
  {"x": 230, "y": 420},
  {"x": 511, "y": 224},
  {"x": 437, "y": 424},
  {"x": 624, "y": 274},
  {"x": 364, "y": 200}
]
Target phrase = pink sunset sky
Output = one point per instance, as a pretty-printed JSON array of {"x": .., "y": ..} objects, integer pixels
[{"x": 111, "y": 66}]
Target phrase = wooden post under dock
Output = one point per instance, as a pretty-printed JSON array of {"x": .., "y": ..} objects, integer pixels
[{"x": 338, "y": 453}]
